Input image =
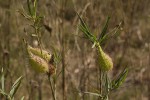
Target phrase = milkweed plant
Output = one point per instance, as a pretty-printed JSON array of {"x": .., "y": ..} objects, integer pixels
[
  {"x": 40, "y": 60},
  {"x": 104, "y": 60}
]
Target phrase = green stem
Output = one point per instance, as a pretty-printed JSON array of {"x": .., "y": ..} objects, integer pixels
[
  {"x": 101, "y": 80},
  {"x": 53, "y": 91},
  {"x": 101, "y": 72},
  {"x": 100, "y": 51}
]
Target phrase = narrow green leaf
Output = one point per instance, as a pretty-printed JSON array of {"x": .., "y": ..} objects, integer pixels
[
  {"x": 34, "y": 35},
  {"x": 115, "y": 32},
  {"x": 15, "y": 86},
  {"x": 91, "y": 93},
  {"x": 84, "y": 28},
  {"x": 29, "y": 8},
  {"x": 24, "y": 14},
  {"x": 118, "y": 29},
  {"x": 104, "y": 29},
  {"x": 35, "y": 7},
  {"x": 3, "y": 93},
  {"x": 17, "y": 81},
  {"x": 3, "y": 80},
  {"x": 105, "y": 37},
  {"x": 22, "y": 98},
  {"x": 85, "y": 32},
  {"x": 83, "y": 23},
  {"x": 35, "y": 3},
  {"x": 121, "y": 78},
  {"x": 57, "y": 57}
]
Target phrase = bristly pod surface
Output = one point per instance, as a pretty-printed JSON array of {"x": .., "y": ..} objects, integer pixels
[
  {"x": 41, "y": 60},
  {"x": 104, "y": 60},
  {"x": 38, "y": 64},
  {"x": 41, "y": 53}
]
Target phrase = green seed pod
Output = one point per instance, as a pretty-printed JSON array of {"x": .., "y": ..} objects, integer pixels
[
  {"x": 105, "y": 61},
  {"x": 41, "y": 53},
  {"x": 38, "y": 64}
]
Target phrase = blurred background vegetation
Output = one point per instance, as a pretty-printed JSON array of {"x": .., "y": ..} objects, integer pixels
[{"x": 60, "y": 31}]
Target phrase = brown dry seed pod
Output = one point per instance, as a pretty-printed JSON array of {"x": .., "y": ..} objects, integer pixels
[{"x": 52, "y": 68}]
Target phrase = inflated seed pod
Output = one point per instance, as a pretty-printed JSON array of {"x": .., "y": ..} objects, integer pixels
[
  {"x": 38, "y": 64},
  {"x": 41, "y": 53},
  {"x": 105, "y": 61}
]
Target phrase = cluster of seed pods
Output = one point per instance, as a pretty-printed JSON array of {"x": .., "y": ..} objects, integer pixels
[{"x": 41, "y": 60}]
